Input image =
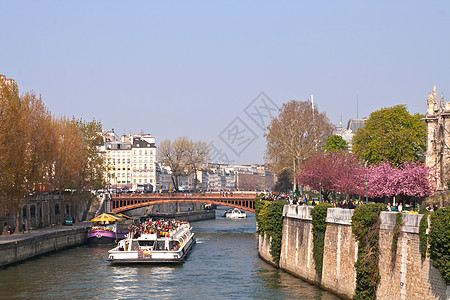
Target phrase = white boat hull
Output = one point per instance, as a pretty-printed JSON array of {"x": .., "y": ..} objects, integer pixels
[
  {"x": 150, "y": 257},
  {"x": 235, "y": 214},
  {"x": 151, "y": 248}
]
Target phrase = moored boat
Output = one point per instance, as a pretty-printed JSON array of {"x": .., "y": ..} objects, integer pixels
[
  {"x": 235, "y": 213},
  {"x": 108, "y": 228},
  {"x": 160, "y": 244}
]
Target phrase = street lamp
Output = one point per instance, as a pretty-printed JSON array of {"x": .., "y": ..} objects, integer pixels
[
  {"x": 320, "y": 190},
  {"x": 366, "y": 182}
]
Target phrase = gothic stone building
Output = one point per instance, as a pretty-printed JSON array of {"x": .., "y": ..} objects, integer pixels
[{"x": 438, "y": 138}]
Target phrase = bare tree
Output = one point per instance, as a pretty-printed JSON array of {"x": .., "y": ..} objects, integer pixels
[
  {"x": 173, "y": 154},
  {"x": 298, "y": 132},
  {"x": 196, "y": 156}
]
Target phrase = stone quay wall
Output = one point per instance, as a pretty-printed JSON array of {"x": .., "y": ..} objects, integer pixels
[
  {"x": 264, "y": 249},
  {"x": 53, "y": 239},
  {"x": 190, "y": 216},
  {"x": 404, "y": 274}
]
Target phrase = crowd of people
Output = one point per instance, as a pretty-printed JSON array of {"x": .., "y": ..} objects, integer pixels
[
  {"x": 161, "y": 228},
  {"x": 349, "y": 204}
]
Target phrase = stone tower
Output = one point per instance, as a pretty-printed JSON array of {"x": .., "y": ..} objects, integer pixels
[{"x": 438, "y": 138}]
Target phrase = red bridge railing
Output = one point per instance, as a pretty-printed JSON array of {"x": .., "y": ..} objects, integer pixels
[{"x": 241, "y": 200}]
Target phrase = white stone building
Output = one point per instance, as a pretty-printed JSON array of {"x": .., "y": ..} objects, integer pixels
[{"x": 131, "y": 160}]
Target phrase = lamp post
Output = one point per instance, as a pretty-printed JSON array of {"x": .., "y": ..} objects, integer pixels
[
  {"x": 366, "y": 182},
  {"x": 320, "y": 191}
]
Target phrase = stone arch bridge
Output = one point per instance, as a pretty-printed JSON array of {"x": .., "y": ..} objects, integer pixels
[{"x": 241, "y": 200}]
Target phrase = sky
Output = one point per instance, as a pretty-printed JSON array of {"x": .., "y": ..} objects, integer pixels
[{"x": 217, "y": 71}]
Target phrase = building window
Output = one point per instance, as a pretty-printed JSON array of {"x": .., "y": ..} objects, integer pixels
[
  {"x": 145, "y": 152},
  {"x": 134, "y": 180},
  {"x": 128, "y": 160},
  {"x": 24, "y": 213},
  {"x": 140, "y": 180},
  {"x": 123, "y": 160},
  {"x": 56, "y": 209}
]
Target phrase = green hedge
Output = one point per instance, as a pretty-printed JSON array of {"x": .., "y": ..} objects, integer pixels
[
  {"x": 439, "y": 239},
  {"x": 269, "y": 218},
  {"x": 396, "y": 234},
  {"x": 366, "y": 227},
  {"x": 319, "y": 214},
  {"x": 423, "y": 226}
]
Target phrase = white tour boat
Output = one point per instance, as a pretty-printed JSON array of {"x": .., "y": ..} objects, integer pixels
[
  {"x": 153, "y": 248},
  {"x": 235, "y": 213}
]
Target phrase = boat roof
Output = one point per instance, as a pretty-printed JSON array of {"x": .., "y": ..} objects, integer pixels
[{"x": 110, "y": 217}]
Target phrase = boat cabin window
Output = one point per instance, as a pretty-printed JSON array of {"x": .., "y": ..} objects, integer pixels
[
  {"x": 146, "y": 243},
  {"x": 134, "y": 245}
]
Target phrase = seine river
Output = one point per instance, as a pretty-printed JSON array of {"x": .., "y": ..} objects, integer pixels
[{"x": 224, "y": 264}]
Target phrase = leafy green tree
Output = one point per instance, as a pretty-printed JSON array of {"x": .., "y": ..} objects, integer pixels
[
  {"x": 284, "y": 182},
  {"x": 391, "y": 135},
  {"x": 335, "y": 143}
]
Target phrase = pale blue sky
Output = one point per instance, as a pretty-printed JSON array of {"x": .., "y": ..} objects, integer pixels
[{"x": 173, "y": 68}]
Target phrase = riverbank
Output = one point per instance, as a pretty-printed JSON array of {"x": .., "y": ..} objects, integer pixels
[{"x": 18, "y": 247}]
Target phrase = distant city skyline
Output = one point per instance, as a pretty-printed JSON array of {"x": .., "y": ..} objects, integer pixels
[{"x": 200, "y": 69}]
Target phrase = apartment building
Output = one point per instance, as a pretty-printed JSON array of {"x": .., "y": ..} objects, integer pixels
[{"x": 131, "y": 160}]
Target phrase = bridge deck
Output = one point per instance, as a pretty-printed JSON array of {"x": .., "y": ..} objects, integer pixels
[{"x": 123, "y": 202}]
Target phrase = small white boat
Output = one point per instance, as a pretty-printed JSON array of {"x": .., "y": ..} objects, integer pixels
[
  {"x": 152, "y": 248},
  {"x": 235, "y": 213}
]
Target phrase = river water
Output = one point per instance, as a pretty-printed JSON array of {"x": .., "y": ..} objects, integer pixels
[{"x": 224, "y": 264}]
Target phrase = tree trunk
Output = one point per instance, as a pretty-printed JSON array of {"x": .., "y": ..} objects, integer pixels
[
  {"x": 195, "y": 180},
  {"x": 18, "y": 227}
]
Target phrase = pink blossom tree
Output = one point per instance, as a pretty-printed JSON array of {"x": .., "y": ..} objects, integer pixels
[
  {"x": 315, "y": 173},
  {"x": 333, "y": 172},
  {"x": 408, "y": 180}
]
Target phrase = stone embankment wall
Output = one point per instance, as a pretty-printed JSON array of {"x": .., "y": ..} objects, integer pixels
[
  {"x": 264, "y": 249},
  {"x": 407, "y": 276},
  {"x": 38, "y": 244},
  {"x": 191, "y": 216}
]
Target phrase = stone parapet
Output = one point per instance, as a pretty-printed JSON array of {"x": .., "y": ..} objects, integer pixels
[
  {"x": 302, "y": 212},
  {"x": 339, "y": 216},
  {"x": 410, "y": 222}
]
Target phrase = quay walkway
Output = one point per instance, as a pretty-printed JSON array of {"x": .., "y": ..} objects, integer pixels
[{"x": 20, "y": 246}]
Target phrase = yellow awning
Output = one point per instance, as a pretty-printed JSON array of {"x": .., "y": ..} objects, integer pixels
[{"x": 106, "y": 217}]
